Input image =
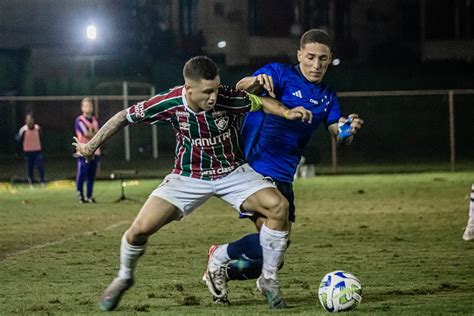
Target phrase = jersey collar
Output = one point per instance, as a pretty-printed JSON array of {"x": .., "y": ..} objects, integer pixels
[{"x": 298, "y": 70}]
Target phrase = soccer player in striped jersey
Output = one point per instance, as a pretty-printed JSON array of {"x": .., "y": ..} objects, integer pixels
[
  {"x": 209, "y": 161},
  {"x": 273, "y": 147},
  {"x": 30, "y": 138}
]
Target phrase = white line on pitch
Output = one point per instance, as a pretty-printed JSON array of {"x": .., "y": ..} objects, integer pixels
[{"x": 57, "y": 242}]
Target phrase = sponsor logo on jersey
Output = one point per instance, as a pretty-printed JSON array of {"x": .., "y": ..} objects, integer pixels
[
  {"x": 206, "y": 142},
  {"x": 182, "y": 113},
  {"x": 140, "y": 110},
  {"x": 314, "y": 101},
  {"x": 221, "y": 170},
  {"x": 297, "y": 94},
  {"x": 184, "y": 125}
]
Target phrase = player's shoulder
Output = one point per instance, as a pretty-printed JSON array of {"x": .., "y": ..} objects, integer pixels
[
  {"x": 171, "y": 93},
  {"x": 23, "y": 129},
  {"x": 231, "y": 92},
  {"x": 170, "y": 97}
]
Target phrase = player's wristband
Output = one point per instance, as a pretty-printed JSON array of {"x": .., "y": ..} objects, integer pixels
[
  {"x": 285, "y": 113},
  {"x": 255, "y": 102},
  {"x": 344, "y": 130}
]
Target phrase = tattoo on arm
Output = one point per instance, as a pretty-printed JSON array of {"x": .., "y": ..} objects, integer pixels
[{"x": 113, "y": 125}]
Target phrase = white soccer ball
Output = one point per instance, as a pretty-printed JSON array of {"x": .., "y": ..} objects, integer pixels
[{"x": 339, "y": 291}]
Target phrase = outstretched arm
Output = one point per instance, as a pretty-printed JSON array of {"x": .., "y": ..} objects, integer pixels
[
  {"x": 113, "y": 125},
  {"x": 275, "y": 107},
  {"x": 257, "y": 84}
]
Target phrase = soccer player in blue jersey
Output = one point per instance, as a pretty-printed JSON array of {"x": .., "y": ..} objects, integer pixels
[{"x": 274, "y": 146}]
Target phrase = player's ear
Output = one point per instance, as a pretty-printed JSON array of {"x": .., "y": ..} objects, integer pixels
[
  {"x": 299, "y": 55},
  {"x": 187, "y": 86}
]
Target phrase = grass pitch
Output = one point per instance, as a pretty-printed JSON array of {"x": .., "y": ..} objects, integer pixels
[{"x": 399, "y": 234}]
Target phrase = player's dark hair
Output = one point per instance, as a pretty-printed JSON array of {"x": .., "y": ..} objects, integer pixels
[
  {"x": 200, "y": 67},
  {"x": 317, "y": 36}
]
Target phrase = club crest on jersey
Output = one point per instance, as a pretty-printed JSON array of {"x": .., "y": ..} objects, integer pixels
[{"x": 222, "y": 122}]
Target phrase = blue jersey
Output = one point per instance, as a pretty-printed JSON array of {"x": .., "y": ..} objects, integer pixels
[{"x": 273, "y": 145}]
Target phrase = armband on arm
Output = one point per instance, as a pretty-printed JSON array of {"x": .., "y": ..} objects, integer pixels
[{"x": 255, "y": 103}]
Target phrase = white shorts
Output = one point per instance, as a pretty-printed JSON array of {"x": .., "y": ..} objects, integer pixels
[{"x": 188, "y": 193}]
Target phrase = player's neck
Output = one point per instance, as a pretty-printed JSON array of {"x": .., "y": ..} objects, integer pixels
[{"x": 193, "y": 106}]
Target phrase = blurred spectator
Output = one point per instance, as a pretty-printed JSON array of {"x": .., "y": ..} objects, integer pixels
[
  {"x": 86, "y": 126},
  {"x": 30, "y": 137}
]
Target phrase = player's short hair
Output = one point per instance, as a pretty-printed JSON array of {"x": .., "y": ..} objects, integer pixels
[
  {"x": 200, "y": 67},
  {"x": 317, "y": 36},
  {"x": 86, "y": 99}
]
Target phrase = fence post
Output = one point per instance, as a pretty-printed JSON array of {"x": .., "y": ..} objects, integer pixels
[
  {"x": 452, "y": 139},
  {"x": 96, "y": 106},
  {"x": 333, "y": 154},
  {"x": 126, "y": 130}
]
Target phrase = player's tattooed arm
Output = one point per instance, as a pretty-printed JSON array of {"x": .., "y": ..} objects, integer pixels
[
  {"x": 257, "y": 84},
  {"x": 112, "y": 126}
]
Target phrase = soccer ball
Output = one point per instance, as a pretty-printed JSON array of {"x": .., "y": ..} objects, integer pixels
[{"x": 339, "y": 291}]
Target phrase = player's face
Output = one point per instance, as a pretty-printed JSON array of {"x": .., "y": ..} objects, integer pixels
[
  {"x": 202, "y": 95},
  {"x": 314, "y": 61},
  {"x": 87, "y": 108},
  {"x": 29, "y": 121}
]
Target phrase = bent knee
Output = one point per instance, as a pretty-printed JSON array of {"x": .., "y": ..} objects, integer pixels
[
  {"x": 279, "y": 209},
  {"x": 136, "y": 234}
]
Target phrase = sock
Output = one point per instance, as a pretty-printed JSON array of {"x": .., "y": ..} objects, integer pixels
[
  {"x": 247, "y": 247},
  {"x": 128, "y": 258},
  {"x": 471, "y": 207},
  {"x": 246, "y": 255},
  {"x": 242, "y": 269},
  {"x": 273, "y": 244},
  {"x": 219, "y": 257}
]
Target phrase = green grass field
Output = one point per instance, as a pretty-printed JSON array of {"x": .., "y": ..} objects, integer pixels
[{"x": 399, "y": 234}]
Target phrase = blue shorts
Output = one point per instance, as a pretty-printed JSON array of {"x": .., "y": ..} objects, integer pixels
[{"x": 286, "y": 188}]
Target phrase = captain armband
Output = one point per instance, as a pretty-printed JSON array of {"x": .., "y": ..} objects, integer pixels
[{"x": 255, "y": 102}]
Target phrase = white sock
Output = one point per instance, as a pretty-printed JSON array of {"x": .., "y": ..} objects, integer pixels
[
  {"x": 471, "y": 207},
  {"x": 219, "y": 257},
  {"x": 128, "y": 258},
  {"x": 273, "y": 244}
]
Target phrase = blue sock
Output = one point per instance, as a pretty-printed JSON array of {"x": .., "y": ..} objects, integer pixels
[{"x": 246, "y": 256}]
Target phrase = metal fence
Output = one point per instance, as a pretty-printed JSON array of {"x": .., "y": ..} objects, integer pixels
[{"x": 402, "y": 128}]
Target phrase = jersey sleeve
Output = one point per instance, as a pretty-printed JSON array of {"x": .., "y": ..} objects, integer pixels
[
  {"x": 235, "y": 101},
  {"x": 79, "y": 127},
  {"x": 21, "y": 134},
  {"x": 334, "y": 112},
  {"x": 158, "y": 108},
  {"x": 273, "y": 70}
]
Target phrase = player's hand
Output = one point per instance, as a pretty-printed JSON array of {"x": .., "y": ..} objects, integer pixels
[
  {"x": 266, "y": 82},
  {"x": 299, "y": 113},
  {"x": 356, "y": 123},
  {"x": 83, "y": 150}
]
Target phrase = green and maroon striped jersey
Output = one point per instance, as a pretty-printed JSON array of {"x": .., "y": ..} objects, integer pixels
[{"x": 208, "y": 142}]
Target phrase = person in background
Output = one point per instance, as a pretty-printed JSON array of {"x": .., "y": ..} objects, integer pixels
[
  {"x": 86, "y": 126},
  {"x": 30, "y": 137}
]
